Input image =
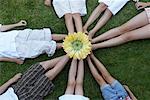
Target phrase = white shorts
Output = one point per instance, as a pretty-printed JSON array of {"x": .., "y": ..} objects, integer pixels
[
  {"x": 73, "y": 97},
  {"x": 63, "y": 7},
  {"x": 148, "y": 13},
  {"x": 114, "y": 5}
]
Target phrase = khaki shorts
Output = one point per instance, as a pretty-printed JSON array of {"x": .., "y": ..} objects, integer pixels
[{"x": 148, "y": 13}]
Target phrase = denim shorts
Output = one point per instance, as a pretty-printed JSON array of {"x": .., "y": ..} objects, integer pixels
[{"x": 115, "y": 91}]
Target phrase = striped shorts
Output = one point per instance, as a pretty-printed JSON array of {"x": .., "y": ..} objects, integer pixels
[{"x": 33, "y": 85}]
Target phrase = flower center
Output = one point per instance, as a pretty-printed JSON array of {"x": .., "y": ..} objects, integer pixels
[{"x": 77, "y": 45}]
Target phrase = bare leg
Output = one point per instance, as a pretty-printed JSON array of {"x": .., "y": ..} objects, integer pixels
[
  {"x": 18, "y": 61},
  {"x": 79, "y": 79},
  {"x": 58, "y": 37},
  {"x": 59, "y": 45},
  {"x": 107, "y": 15},
  {"x": 95, "y": 73},
  {"x": 141, "y": 33},
  {"x": 11, "y": 26},
  {"x": 71, "y": 78},
  {"x": 95, "y": 14},
  {"x": 50, "y": 63},
  {"x": 51, "y": 74},
  {"x": 78, "y": 22},
  {"x": 136, "y": 22},
  {"x": 69, "y": 23},
  {"x": 106, "y": 75}
]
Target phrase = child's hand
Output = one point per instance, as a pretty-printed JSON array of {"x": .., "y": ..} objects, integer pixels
[
  {"x": 47, "y": 3},
  {"x": 18, "y": 61},
  {"x": 126, "y": 87},
  {"x": 16, "y": 77},
  {"x": 22, "y": 23},
  {"x": 140, "y": 5}
]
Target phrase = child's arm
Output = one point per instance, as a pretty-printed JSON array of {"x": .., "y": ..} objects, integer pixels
[
  {"x": 48, "y": 3},
  {"x": 141, "y": 5},
  {"x": 18, "y": 61},
  {"x": 5, "y": 86},
  {"x": 130, "y": 93},
  {"x": 11, "y": 26}
]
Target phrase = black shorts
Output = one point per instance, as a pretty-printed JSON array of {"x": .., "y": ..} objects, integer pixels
[{"x": 33, "y": 85}]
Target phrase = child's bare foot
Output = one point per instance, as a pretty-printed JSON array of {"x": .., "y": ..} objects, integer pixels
[
  {"x": 19, "y": 61},
  {"x": 85, "y": 30},
  {"x": 92, "y": 41},
  {"x": 59, "y": 45},
  {"x": 47, "y": 3},
  {"x": 88, "y": 58},
  {"x": 93, "y": 47},
  {"x": 16, "y": 77},
  {"x": 90, "y": 37},
  {"x": 22, "y": 23},
  {"x": 91, "y": 55}
]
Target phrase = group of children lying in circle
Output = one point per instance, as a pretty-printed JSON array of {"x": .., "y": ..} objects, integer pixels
[{"x": 36, "y": 82}]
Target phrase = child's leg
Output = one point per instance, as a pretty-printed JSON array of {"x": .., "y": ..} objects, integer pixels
[
  {"x": 78, "y": 22},
  {"x": 69, "y": 23},
  {"x": 50, "y": 63},
  {"x": 58, "y": 37},
  {"x": 95, "y": 14},
  {"x": 106, "y": 75},
  {"x": 59, "y": 45},
  {"x": 136, "y": 22},
  {"x": 71, "y": 78},
  {"x": 11, "y": 26},
  {"x": 51, "y": 74},
  {"x": 141, "y": 33},
  {"x": 95, "y": 73},
  {"x": 79, "y": 79},
  {"x": 107, "y": 15},
  {"x": 18, "y": 61}
]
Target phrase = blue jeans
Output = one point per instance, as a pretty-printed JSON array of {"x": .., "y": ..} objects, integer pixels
[{"x": 115, "y": 91}]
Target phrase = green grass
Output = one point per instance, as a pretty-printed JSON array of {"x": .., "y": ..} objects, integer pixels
[{"x": 129, "y": 63}]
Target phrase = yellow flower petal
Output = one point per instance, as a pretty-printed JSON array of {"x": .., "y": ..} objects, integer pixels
[{"x": 77, "y": 45}]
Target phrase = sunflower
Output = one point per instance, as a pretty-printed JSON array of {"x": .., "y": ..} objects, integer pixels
[{"x": 77, "y": 45}]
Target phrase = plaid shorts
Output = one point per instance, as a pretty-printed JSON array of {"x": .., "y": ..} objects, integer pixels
[
  {"x": 148, "y": 13},
  {"x": 33, "y": 85}
]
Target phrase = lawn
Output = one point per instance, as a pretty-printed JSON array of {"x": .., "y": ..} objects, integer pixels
[{"x": 129, "y": 63}]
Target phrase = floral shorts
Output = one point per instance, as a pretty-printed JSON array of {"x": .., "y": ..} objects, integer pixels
[{"x": 148, "y": 13}]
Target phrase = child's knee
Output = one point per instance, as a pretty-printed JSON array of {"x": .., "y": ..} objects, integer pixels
[
  {"x": 127, "y": 37},
  {"x": 76, "y": 15},
  {"x": 68, "y": 16},
  {"x": 72, "y": 83},
  {"x": 79, "y": 83},
  {"x": 124, "y": 28}
]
